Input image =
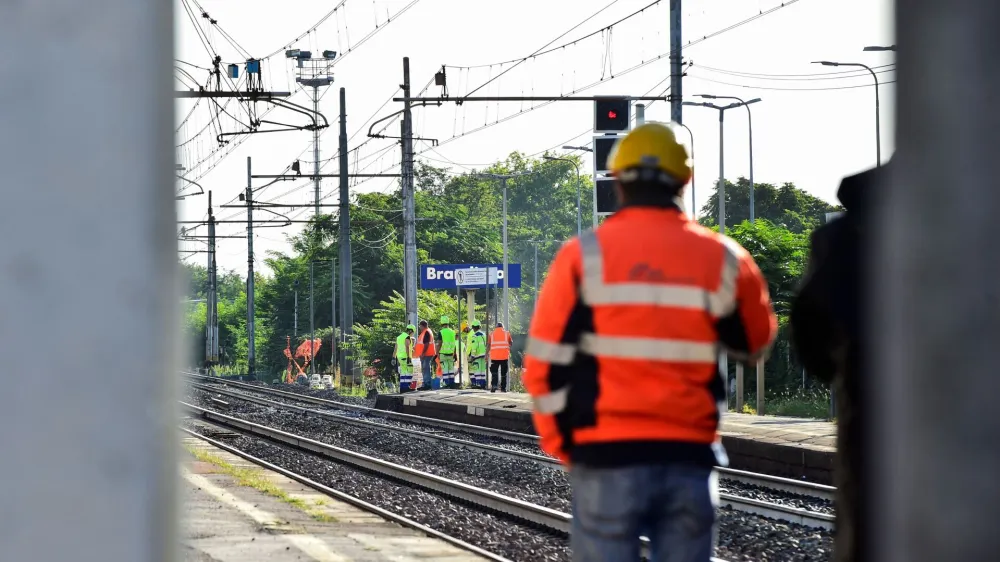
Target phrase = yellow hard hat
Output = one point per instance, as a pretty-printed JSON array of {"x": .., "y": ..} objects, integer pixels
[{"x": 651, "y": 146}]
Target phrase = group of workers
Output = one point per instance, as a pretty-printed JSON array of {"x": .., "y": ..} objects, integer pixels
[
  {"x": 427, "y": 351},
  {"x": 622, "y": 362}
]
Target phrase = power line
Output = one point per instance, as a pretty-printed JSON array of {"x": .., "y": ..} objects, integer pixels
[
  {"x": 841, "y": 75},
  {"x": 516, "y": 64},
  {"x": 308, "y": 31},
  {"x": 696, "y": 77}
]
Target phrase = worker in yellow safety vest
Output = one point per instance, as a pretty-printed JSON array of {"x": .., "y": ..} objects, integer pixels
[
  {"x": 477, "y": 356},
  {"x": 403, "y": 358},
  {"x": 448, "y": 352}
]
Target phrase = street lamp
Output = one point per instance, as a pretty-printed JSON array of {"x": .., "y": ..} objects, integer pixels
[
  {"x": 579, "y": 213},
  {"x": 750, "y": 125},
  {"x": 503, "y": 180},
  {"x": 694, "y": 208},
  {"x": 583, "y": 148},
  {"x": 878, "y": 128},
  {"x": 878, "y": 48},
  {"x": 722, "y": 178}
]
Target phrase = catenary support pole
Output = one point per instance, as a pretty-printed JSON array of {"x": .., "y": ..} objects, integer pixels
[
  {"x": 334, "y": 347},
  {"x": 506, "y": 299},
  {"x": 316, "y": 178},
  {"x": 295, "y": 316},
  {"x": 535, "y": 276},
  {"x": 211, "y": 311},
  {"x": 344, "y": 236},
  {"x": 676, "y": 58},
  {"x": 312, "y": 319},
  {"x": 89, "y": 259},
  {"x": 251, "y": 357},
  {"x": 409, "y": 209}
]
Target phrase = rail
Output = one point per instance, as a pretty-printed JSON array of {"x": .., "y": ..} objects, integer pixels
[{"x": 745, "y": 505}]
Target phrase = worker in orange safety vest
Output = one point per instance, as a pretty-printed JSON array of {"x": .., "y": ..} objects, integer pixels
[
  {"x": 426, "y": 350},
  {"x": 622, "y": 360},
  {"x": 499, "y": 346}
]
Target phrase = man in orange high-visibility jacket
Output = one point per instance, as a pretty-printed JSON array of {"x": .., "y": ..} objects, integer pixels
[
  {"x": 499, "y": 346},
  {"x": 426, "y": 350},
  {"x": 622, "y": 360}
]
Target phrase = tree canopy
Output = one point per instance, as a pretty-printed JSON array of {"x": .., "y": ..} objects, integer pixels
[
  {"x": 460, "y": 221},
  {"x": 787, "y": 206}
]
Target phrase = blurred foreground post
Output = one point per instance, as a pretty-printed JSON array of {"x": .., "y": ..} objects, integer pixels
[
  {"x": 88, "y": 294},
  {"x": 936, "y": 293}
]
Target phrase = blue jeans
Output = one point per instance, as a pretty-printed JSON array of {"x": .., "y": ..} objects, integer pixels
[
  {"x": 426, "y": 368},
  {"x": 673, "y": 505}
]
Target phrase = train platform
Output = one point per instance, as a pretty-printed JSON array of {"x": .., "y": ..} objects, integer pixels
[
  {"x": 235, "y": 511},
  {"x": 783, "y": 446}
]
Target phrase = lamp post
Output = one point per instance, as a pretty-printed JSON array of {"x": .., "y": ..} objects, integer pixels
[
  {"x": 503, "y": 180},
  {"x": 878, "y": 126},
  {"x": 722, "y": 178},
  {"x": 879, "y": 48},
  {"x": 723, "y": 359},
  {"x": 745, "y": 104},
  {"x": 583, "y": 148},
  {"x": 315, "y": 73},
  {"x": 694, "y": 207},
  {"x": 579, "y": 212}
]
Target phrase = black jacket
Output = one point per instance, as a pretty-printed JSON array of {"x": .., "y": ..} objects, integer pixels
[{"x": 828, "y": 322}]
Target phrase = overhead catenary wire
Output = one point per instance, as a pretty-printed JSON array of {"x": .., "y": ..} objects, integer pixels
[
  {"x": 833, "y": 75},
  {"x": 577, "y": 90},
  {"x": 518, "y": 62},
  {"x": 770, "y": 88}
]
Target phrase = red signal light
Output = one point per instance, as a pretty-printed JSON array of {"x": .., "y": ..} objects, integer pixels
[{"x": 612, "y": 114}]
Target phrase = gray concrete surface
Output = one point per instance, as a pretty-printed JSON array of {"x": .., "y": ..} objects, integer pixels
[{"x": 226, "y": 521}]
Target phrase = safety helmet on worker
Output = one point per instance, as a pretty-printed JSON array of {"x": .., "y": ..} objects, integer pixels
[
  {"x": 445, "y": 319},
  {"x": 411, "y": 328},
  {"x": 476, "y": 324},
  {"x": 651, "y": 152}
]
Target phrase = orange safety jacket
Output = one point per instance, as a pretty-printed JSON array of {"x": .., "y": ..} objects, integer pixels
[
  {"x": 422, "y": 350},
  {"x": 500, "y": 342},
  {"x": 621, "y": 359}
]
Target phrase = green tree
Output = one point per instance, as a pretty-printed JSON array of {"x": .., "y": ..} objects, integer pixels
[{"x": 786, "y": 206}]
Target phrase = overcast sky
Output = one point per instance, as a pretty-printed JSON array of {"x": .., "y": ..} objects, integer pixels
[{"x": 810, "y": 130}]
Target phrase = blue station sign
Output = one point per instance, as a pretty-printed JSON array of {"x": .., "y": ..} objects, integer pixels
[{"x": 442, "y": 275}]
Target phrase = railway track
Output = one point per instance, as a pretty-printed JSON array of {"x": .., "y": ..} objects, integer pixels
[
  {"x": 550, "y": 520},
  {"x": 759, "y": 507}
]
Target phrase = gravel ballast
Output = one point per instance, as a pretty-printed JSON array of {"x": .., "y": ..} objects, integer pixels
[
  {"x": 761, "y": 493},
  {"x": 741, "y": 536}
]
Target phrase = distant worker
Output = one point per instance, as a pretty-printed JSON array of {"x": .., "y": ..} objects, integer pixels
[
  {"x": 403, "y": 354},
  {"x": 477, "y": 356},
  {"x": 500, "y": 342},
  {"x": 622, "y": 360},
  {"x": 448, "y": 352},
  {"x": 426, "y": 349}
]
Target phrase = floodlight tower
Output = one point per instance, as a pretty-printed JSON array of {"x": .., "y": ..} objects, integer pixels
[{"x": 315, "y": 73}]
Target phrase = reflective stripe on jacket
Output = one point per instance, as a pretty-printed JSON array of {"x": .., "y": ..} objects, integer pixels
[
  {"x": 499, "y": 345},
  {"x": 621, "y": 358},
  {"x": 477, "y": 346}
]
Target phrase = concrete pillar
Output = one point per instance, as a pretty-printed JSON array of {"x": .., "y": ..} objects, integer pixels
[
  {"x": 88, "y": 282},
  {"x": 936, "y": 294}
]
